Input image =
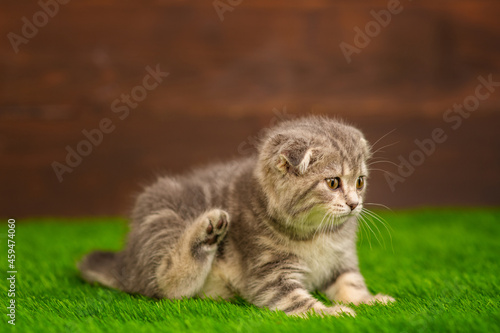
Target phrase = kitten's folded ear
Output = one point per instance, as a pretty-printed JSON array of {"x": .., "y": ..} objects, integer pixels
[
  {"x": 290, "y": 160},
  {"x": 295, "y": 156}
]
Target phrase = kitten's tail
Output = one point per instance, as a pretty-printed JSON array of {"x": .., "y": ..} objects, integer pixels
[{"x": 101, "y": 267}]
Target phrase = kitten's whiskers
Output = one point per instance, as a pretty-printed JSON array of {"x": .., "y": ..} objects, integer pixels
[
  {"x": 383, "y": 136},
  {"x": 378, "y": 218},
  {"x": 366, "y": 218},
  {"x": 377, "y": 204},
  {"x": 380, "y": 149},
  {"x": 327, "y": 213},
  {"x": 362, "y": 224},
  {"x": 382, "y": 170},
  {"x": 383, "y": 161}
]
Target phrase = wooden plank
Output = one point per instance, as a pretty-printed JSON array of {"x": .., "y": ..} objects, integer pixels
[{"x": 225, "y": 80}]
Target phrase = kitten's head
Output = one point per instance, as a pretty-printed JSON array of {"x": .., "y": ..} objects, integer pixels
[{"x": 313, "y": 171}]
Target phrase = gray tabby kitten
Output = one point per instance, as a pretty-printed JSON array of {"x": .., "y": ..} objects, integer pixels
[{"x": 270, "y": 228}]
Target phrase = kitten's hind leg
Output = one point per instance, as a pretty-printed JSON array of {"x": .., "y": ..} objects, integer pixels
[{"x": 183, "y": 271}]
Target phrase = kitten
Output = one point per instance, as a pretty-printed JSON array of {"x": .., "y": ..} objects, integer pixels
[{"x": 271, "y": 228}]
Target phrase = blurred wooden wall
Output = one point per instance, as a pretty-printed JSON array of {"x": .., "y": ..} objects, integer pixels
[{"x": 226, "y": 78}]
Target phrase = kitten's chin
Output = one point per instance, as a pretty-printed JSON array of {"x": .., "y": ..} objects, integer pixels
[
  {"x": 341, "y": 219},
  {"x": 320, "y": 217}
]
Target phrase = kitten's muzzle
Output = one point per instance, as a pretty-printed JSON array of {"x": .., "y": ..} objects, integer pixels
[{"x": 352, "y": 205}]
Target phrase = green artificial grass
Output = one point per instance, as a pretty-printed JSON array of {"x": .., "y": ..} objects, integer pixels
[{"x": 441, "y": 265}]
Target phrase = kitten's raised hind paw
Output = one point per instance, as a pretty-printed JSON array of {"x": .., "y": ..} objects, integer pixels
[{"x": 214, "y": 226}]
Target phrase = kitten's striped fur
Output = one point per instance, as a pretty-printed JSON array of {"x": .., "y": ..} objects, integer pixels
[{"x": 267, "y": 228}]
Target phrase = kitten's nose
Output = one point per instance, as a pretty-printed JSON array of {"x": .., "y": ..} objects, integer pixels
[{"x": 352, "y": 205}]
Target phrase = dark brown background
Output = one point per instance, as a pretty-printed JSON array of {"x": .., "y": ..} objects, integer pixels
[{"x": 226, "y": 77}]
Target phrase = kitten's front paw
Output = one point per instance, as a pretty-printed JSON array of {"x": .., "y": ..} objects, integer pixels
[
  {"x": 214, "y": 227},
  {"x": 384, "y": 299},
  {"x": 336, "y": 310},
  {"x": 380, "y": 298},
  {"x": 339, "y": 310}
]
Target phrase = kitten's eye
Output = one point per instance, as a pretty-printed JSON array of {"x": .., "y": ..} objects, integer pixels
[
  {"x": 333, "y": 183},
  {"x": 360, "y": 183}
]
